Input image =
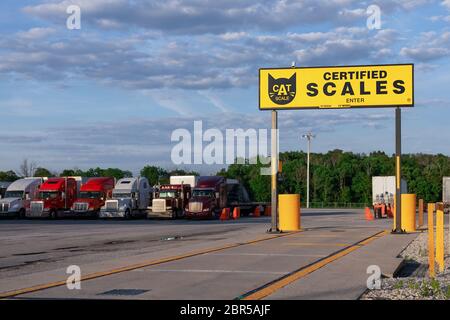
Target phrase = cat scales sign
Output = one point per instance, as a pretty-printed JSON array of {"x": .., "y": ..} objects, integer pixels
[{"x": 368, "y": 86}]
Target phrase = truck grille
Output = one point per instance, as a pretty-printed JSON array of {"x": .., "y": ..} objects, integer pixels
[
  {"x": 4, "y": 207},
  {"x": 112, "y": 205},
  {"x": 81, "y": 206},
  {"x": 195, "y": 206},
  {"x": 36, "y": 208},
  {"x": 159, "y": 205}
]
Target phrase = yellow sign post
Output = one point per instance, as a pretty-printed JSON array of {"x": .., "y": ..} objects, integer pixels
[
  {"x": 440, "y": 237},
  {"x": 337, "y": 87},
  {"x": 431, "y": 240}
]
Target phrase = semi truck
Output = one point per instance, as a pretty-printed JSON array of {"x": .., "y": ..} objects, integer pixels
[
  {"x": 54, "y": 198},
  {"x": 18, "y": 196},
  {"x": 92, "y": 196},
  {"x": 446, "y": 193},
  {"x": 171, "y": 199},
  {"x": 130, "y": 198},
  {"x": 213, "y": 193},
  {"x": 383, "y": 192}
]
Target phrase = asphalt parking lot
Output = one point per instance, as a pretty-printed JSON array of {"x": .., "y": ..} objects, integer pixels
[{"x": 160, "y": 259}]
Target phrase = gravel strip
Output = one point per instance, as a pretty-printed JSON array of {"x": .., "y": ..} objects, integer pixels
[{"x": 415, "y": 288}]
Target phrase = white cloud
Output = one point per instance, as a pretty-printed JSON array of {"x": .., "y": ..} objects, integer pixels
[{"x": 36, "y": 33}]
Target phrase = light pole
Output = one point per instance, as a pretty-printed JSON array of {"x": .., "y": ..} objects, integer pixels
[{"x": 308, "y": 136}]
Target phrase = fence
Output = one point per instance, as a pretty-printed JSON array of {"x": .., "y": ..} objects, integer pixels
[{"x": 340, "y": 205}]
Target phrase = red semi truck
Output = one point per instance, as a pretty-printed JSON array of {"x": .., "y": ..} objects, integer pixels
[
  {"x": 213, "y": 193},
  {"x": 54, "y": 196},
  {"x": 92, "y": 196}
]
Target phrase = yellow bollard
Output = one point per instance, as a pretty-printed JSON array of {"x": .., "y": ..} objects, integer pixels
[
  {"x": 420, "y": 213},
  {"x": 289, "y": 212},
  {"x": 409, "y": 212},
  {"x": 440, "y": 238},
  {"x": 431, "y": 240}
]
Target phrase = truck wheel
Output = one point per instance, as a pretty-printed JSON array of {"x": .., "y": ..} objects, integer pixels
[
  {"x": 53, "y": 215},
  {"x": 22, "y": 214},
  {"x": 128, "y": 214}
]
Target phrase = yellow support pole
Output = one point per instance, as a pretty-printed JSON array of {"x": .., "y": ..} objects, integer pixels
[
  {"x": 431, "y": 240},
  {"x": 420, "y": 213},
  {"x": 440, "y": 237},
  {"x": 408, "y": 212}
]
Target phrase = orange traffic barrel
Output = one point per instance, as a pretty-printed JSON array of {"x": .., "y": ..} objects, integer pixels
[
  {"x": 257, "y": 212},
  {"x": 368, "y": 214},
  {"x": 225, "y": 215},
  {"x": 236, "y": 213}
]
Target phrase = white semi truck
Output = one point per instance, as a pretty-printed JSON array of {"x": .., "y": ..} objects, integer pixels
[
  {"x": 18, "y": 196},
  {"x": 130, "y": 198},
  {"x": 383, "y": 189},
  {"x": 383, "y": 193}
]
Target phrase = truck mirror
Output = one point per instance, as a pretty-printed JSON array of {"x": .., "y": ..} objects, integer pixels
[{"x": 217, "y": 195}]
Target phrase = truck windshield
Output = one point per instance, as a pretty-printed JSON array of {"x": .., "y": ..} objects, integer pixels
[
  {"x": 48, "y": 194},
  {"x": 90, "y": 195},
  {"x": 167, "y": 194},
  {"x": 121, "y": 195},
  {"x": 14, "y": 194},
  {"x": 203, "y": 193}
]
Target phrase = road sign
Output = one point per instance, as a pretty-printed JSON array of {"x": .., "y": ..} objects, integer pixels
[{"x": 368, "y": 86}]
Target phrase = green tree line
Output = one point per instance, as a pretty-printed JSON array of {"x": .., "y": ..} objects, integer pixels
[
  {"x": 155, "y": 175},
  {"x": 335, "y": 176},
  {"x": 345, "y": 177}
]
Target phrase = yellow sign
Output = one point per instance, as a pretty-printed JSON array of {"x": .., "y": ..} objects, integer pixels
[{"x": 337, "y": 87}]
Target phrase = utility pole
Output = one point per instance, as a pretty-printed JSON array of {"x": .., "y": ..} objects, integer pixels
[{"x": 308, "y": 136}]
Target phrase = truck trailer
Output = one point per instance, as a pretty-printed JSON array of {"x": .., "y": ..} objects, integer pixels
[
  {"x": 55, "y": 197},
  {"x": 92, "y": 197},
  {"x": 18, "y": 196},
  {"x": 213, "y": 193},
  {"x": 171, "y": 199},
  {"x": 130, "y": 198},
  {"x": 383, "y": 192}
]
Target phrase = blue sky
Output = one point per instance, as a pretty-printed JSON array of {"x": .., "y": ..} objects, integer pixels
[{"x": 111, "y": 93}]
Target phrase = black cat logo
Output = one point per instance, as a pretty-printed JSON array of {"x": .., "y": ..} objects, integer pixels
[{"x": 282, "y": 90}]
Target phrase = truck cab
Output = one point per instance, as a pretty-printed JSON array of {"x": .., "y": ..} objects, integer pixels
[
  {"x": 169, "y": 201},
  {"x": 54, "y": 197},
  {"x": 92, "y": 196},
  {"x": 130, "y": 197},
  {"x": 18, "y": 195},
  {"x": 3, "y": 187},
  {"x": 208, "y": 198}
]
